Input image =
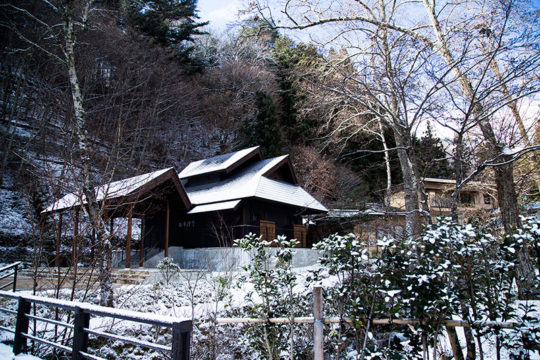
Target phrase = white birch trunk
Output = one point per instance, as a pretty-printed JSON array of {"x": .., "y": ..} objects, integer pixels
[{"x": 92, "y": 209}]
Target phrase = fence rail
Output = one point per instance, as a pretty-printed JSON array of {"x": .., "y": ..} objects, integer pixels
[
  {"x": 318, "y": 320},
  {"x": 13, "y": 267},
  {"x": 181, "y": 328}
]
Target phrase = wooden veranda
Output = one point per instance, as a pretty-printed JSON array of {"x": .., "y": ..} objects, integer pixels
[{"x": 152, "y": 194}]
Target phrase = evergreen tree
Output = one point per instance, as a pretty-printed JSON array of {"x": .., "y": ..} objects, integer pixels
[
  {"x": 290, "y": 61},
  {"x": 432, "y": 159},
  {"x": 264, "y": 129},
  {"x": 171, "y": 23}
]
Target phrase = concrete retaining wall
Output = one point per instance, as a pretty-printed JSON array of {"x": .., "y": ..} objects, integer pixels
[{"x": 225, "y": 258}]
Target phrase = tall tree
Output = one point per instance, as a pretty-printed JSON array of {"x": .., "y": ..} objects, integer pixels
[
  {"x": 264, "y": 130},
  {"x": 171, "y": 23},
  {"x": 452, "y": 59},
  {"x": 432, "y": 158}
]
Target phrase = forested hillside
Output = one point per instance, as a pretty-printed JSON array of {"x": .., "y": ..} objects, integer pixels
[
  {"x": 154, "y": 96},
  {"x": 92, "y": 92}
]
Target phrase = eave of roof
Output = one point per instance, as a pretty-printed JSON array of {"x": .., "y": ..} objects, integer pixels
[{"x": 220, "y": 206}]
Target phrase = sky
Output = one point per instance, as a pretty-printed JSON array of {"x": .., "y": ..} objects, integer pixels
[
  {"x": 222, "y": 12},
  {"x": 219, "y": 12}
]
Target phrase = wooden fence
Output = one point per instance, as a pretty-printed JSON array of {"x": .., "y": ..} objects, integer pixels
[
  {"x": 181, "y": 328},
  {"x": 318, "y": 320}
]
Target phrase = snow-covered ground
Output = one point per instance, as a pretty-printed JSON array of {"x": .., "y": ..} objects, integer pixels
[
  {"x": 6, "y": 353},
  {"x": 195, "y": 294}
]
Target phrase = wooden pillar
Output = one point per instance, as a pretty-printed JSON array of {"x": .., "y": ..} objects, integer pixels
[
  {"x": 128, "y": 240},
  {"x": 318, "y": 324},
  {"x": 58, "y": 241},
  {"x": 93, "y": 244},
  {"x": 111, "y": 227},
  {"x": 141, "y": 251},
  {"x": 75, "y": 239},
  {"x": 167, "y": 220}
]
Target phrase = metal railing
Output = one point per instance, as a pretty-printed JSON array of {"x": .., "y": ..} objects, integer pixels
[
  {"x": 14, "y": 268},
  {"x": 181, "y": 328}
]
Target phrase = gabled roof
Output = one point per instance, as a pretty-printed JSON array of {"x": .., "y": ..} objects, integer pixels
[
  {"x": 251, "y": 182},
  {"x": 133, "y": 186},
  {"x": 220, "y": 164}
]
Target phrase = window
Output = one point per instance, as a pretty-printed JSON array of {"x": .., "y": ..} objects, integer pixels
[{"x": 466, "y": 199}]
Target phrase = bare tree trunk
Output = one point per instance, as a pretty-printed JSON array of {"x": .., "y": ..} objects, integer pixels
[
  {"x": 388, "y": 191},
  {"x": 7, "y": 141},
  {"x": 92, "y": 209},
  {"x": 411, "y": 182},
  {"x": 469, "y": 338},
  {"x": 504, "y": 177},
  {"x": 410, "y": 189}
]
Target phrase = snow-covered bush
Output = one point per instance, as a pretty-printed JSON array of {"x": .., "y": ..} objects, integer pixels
[
  {"x": 273, "y": 295},
  {"x": 458, "y": 270},
  {"x": 449, "y": 271},
  {"x": 358, "y": 292},
  {"x": 168, "y": 269}
]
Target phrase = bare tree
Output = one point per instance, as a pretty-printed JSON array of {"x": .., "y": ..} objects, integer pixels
[{"x": 379, "y": 75}]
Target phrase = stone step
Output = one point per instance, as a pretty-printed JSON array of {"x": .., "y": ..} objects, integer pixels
[{"x": 120, "y": 276}]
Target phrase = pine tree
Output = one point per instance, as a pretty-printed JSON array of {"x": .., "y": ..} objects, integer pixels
[
  {"x": 290, "y": 60},
  {"x": 432, "y": 159},
  {"x": 171, "y": 23},
  {"x": 264, "y": 130}
]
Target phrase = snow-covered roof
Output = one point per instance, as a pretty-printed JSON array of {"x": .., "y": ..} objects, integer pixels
[
  {"x": 251, "y": 182},
  {"x": 442, "y": 181},
  {"x": 225, "y": 205},
  {"x": 116, "y": 189},
  {"x": 452, "y": 182},
  {"x": 370, "y": 209},
  {"x": 219, "y": 163}
]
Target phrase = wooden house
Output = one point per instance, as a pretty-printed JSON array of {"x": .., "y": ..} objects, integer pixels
[
  {"x": 475, "y": 197},
  {"x": 208, "y": 204}
]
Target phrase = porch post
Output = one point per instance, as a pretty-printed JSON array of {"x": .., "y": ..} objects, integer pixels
[
  {"x": 128, "y": 240},
  {"x": 141, "y": 251},
  {"x": 58, "y": 241},
  {"x": 93, "y": 244},
  {"x": 167, "y": 230}
]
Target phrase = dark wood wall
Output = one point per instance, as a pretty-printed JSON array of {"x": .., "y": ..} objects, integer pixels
[{"x": 218, "y": 228}]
